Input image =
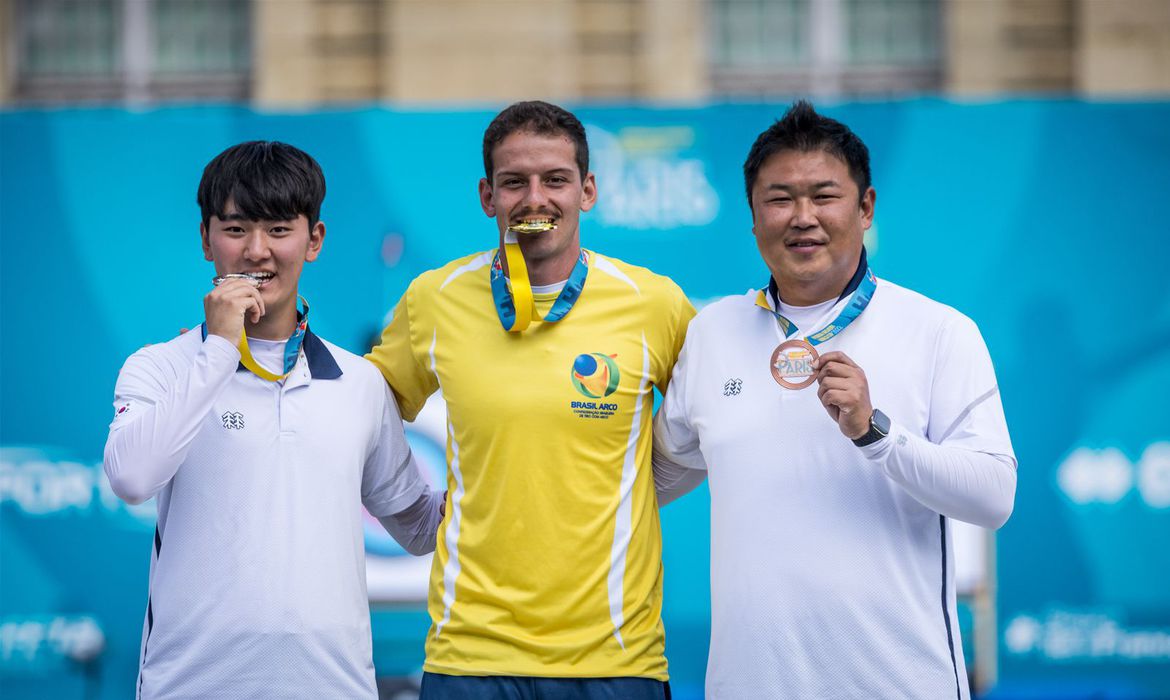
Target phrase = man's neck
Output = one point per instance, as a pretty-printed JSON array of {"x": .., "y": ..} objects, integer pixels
[
  {"x": 833, "y": 285},
  {"x": 540, "y": 275},
  {"x": 811, "y": 293},
  {"x": 273, "y": 325},
  {"x": 550, "y": 270}
]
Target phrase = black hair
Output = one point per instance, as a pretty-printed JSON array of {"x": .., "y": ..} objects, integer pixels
[
  {"x": 538, "y": 118},
  {"x": 803, "y": 129},
  {"x": 265, "y": 180}
]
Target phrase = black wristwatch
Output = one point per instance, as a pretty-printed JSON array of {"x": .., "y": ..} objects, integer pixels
[{"x": 879, "y": 427}]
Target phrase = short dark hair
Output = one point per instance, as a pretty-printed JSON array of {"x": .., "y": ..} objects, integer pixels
[
  {"x": 535, "y": 117},
  {"x": 265, "y": 180},
  {"x": 803, "y": 129}
]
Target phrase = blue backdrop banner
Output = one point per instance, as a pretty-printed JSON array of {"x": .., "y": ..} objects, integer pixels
[{"x": 1044, "y": 221}]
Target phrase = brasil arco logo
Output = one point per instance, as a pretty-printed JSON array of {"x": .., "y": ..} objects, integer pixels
[{"x": 595, "y": 374}]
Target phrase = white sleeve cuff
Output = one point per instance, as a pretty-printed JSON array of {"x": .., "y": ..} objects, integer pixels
[{"x": 975, "y": 487}]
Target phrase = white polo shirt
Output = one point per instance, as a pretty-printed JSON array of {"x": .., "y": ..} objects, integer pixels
[
  {"x": 829, "y": 579},
  {"x": 257, "y": 580}
]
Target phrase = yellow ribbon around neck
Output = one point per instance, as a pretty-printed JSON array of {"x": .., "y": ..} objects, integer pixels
[
  {"x": 292, "y": 347},
  {"x": 253, "y": 366},
  {"x": 521, "y": 287}
]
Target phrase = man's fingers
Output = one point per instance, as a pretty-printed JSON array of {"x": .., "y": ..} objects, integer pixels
[
  {"x": 243, "y": 295},
  {"x": 837, "y": 369},
  {"x": 824, "y": 385},
  {"x": 831, "y": 408},
  {"x": 835, "y": 356},
  {"x": 231, "y": 304},
  {"x": 827, "y": 383},
  {"x": 257, "y": 305},
  {"x": 842, "y": 399}
]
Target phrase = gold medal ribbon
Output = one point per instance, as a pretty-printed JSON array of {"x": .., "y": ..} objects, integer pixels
[
  {"x": 521, "y": 287},
  {"x": 513, "y": 298},
  {"x": 250, "y": 362},
  {"x": 292, "y": 348}
]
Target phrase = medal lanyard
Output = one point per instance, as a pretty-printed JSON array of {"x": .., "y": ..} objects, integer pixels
[
  {"x": 292, "y": 348},
  {"x": 857, "y": 302},
  {"x": 516, "y": 307},
  {"x": 792, "y": 361}
]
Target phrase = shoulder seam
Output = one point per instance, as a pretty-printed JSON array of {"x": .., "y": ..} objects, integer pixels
[
  {"x": 471, "y": 265},
  {"x": 604, "y": 264}
]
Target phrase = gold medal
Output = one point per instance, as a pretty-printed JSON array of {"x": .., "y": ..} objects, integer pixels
[
  {"x": 792, "y": 364},
  {"x": 530, "y": 227}
]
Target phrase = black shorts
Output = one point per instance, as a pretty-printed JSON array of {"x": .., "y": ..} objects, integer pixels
[{"x": 436, "y": 686}]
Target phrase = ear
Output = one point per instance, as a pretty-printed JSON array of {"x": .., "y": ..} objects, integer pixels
[
  {"x": 316, "y": 240},
  {"x": 588, "y": 192},
  {"x": 205, "y": 241},
  {"x": 868, "y": 200},
  {"x": 485, "y": 198}
]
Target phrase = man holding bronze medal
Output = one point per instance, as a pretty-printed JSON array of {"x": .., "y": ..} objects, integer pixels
[
  {"x": 261, "y": 442},
  {"x": 547, "y": 577},
  {"x": 842, "y": 421}
]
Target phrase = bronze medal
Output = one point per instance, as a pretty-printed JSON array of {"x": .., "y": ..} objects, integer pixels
[{"x": 791, "y": 364}]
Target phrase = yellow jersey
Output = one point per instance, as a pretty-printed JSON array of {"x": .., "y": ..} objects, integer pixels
[{"x": 548, "y": 562}]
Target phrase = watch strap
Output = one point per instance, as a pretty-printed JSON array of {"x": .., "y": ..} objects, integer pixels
[{"x": 879, "y": 427}]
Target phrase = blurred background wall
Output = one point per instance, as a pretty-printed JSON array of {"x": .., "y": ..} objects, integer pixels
[
  {"x": 1021, "y": 150},
  {"x": 308, "y": 53}
]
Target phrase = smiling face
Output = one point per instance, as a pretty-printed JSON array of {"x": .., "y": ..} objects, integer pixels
[
  {"x": 809, "y": 220},
  {"x": 273, "y": 250},
  {"x": 535, "y": 178}
]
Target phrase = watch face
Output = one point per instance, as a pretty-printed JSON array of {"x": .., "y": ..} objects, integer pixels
[{"x": 879, "y": 427}]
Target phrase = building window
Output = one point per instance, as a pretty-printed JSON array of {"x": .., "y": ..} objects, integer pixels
[
  {"x": 825, "y": 48},
  {"x": 131, "y": 50},
  {"x": 760, "y": 35}
]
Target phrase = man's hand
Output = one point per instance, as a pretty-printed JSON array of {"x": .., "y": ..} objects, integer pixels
[
  {"x": 844, "y": 392},
  {"x": 226, "y": 306}
]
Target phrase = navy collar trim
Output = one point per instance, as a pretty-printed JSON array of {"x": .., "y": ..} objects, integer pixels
[
  {"x": 321, "y": 362},
  {"x": 854, "y": 282}
]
